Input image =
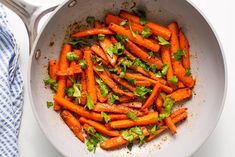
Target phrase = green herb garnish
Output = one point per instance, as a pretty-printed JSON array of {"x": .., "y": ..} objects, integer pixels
[
  {"x": 121, "y": 38},
  {"x": 179, "y": 54},
  {"x": 89, "y": 102},
  {"x": 127, "y": 135},
  {"x": 123, "y": 23},
  {"x": 90, "y": 19},
  {"x": 146, "y": 32},
  {"x": 162, "y": 41},
  {"x": 109, "y": 51},
  {"x": 132, "y": 116},
  {"x": 101, "y": 37},
  {"x": 188, "y": 72},
  {"x": 173, "y": 80},
  {"x": 49, "y": 104},
  {"x": 106, "y": 117},
  {"x": 131, "y": 80},
  {"x": 93, "y": 141},
  {"x": 112, "y": 98},
  {"x": 83, "y": 64},
  {"x": 52, "y": 83},
  {"x": 103, "y": 87},
  {"x": 99, "y": 68},
  {"x": 141, "y": 91}
]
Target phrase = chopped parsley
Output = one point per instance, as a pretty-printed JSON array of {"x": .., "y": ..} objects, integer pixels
[
  {"x": 146, "y": 32},
  {"x": 179, "y": 54},
  {"x": 124, "y": 63},
  {"x": 164, "y": 70},
  {"x": 139, "y": 132},
  {"x": 106, "y": 117},
  {"x": 162, "y": 41},
  {"x": 131, "y": 80},
  {"x": 49, "y": 104},
  {"x": 173, "y": 79},
  {"x": 118, "y": 48},
  {"x": 188, "y": 72},
  {"x": 93, "y": 141},
  {"x": 123, "y": 23},
  {"x": 99, "y": 68},
  {"x": 127, "y": 135},
  {"x": 83, "y": 63},
  {"x": 141, "y": 91},
  {"x": 129, "y": 146},
  {"x": 90, "y": 19},
  {"x": 89, "y": 102},
  {"x": 101, "y": 37},
  {"x": 103, "y": 87},
  {"x": 80, "y": 42},
  {"x": 109, "y": 51},
  {"x": 112, "y": 98},
  {"x": 168, "y": 104},
  {"x": 132, "y": 116},
  {"x": 121, "y": 38},
  {"x": 52, "y": 83}
]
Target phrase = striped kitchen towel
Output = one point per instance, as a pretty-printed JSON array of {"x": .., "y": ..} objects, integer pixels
[{"x": 11, "y": 90}]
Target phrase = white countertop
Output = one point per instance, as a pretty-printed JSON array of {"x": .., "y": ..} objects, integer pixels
[{"x": 33, "y": 143}]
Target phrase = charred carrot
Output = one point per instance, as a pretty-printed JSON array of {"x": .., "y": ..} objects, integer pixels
[
  {"x": 132, "y": 104},
  {"x": 185, "y": 47},
  {"x": 159, "y": 103},
  {"x": 84, "y": 88},
  {"x": 143, "y": 83},
  {"x": 125, "y": 98},
  {"x": 180, "y": 94},
  {"x": 123, "y": 82},
  {"x": 170, "y": 125},
  {"x": 178, "y": 112},
  {"x": 92, "y": 31},
  {"x": 53, "y": 68}
]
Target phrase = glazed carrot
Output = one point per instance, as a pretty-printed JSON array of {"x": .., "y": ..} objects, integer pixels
[
  {"x": 143, "y": 83},
  {"x": 98, "y": 50},
  {"x": 78, "y": 109},
  {"x": 73, "y": 69},
  {"x": 159, "y": 103},
  {"x": 106, "y": 44},
  {"x": 170, "y": 125},
  {"x": 119, "y": 141},
  {"x": 152, "y": 97},
  {"x": 185, "y": 47},
  {"x": 156, "y": 29},
  {"x": 114, "y": 117},
  {"x": 86, "y": 127},
  {"x": 132, "y": 104},
  {"x": 104, "y": 107},
  {"x": 99, "y": 127},
  {"x": 63, "y": 65},
  {"x": 136, "y": 39},
  {"x": 142, "y": 54},
  {"x": 69, "y": 81},
  {"x": 105, "y": 77},
  {"x": 100, "y": 97},
  {"x": 90, "y": 79},
  {"x": 180, "y": 94},
  {"x": 73, "y": 124},
  {"x": 97, "y": 24},
  {"x": 145, "y": 120},
  {"x": 53, "y": 68},
  {"x": 180, "y": 85},
  {"x": 92, "y": 31},
  {"x": 166, "y": 59},
  {"x": 125, "y": 98},
  {"x": 139, "y": 77},
  {"x": 123, "y": 82},
  {"x": 84, "y": 88},
  {"x": 178, "y": 112}
]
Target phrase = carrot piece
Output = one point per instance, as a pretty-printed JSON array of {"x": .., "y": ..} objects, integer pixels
[
  {"x": 166, "y": 59},
  {"x": 104, "y": 107},
  {"x": 53, "y": 68},
  {"x": 114, "y": 117},
  {"x": 106, "y": 44},
  {"x": 99, "y": 127},
  {"x": 73, "y": 124},
  {"x": 139, "y": 77},
  {"x": 125, "y": 99},
  {"x": 90, "y": 79},
  {"x": 181, "y": 85},
  {"x": 178, "y": 112},
  {"x": 105, "y": 77},
  {"x": 132, "y": 104},
  {"x": 100, "y": 97},
  {"x": 142, "y": 54},
  {"x": 185, "y": 47},
  {"x": 78, "y": 109},
  {"x": 137, "y": 38},
  {"x": 151, "y": 118},
  {"x": 143, "y": 83},
  {"x": 97, "y": 24},
  {"x": 117, "y": 142},
  {"x": 86, "y": 127},
  {"x": 123, "y": 82},
  {"x": 98, "y": 50},
  {"x": 180, "y": 94},
  {"x": 159, "y": 103},
  {"x": 84, "y": 88},
  {"x": 63, "y": 65},
  {"x": 92, "y": 31},
  {"x": 170, "y": 125},
  {"x": 155, "y": 93},
  {"x": 155, "y": 28}
]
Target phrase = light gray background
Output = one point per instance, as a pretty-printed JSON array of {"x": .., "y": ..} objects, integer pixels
[{"x": 33, "y": 143}]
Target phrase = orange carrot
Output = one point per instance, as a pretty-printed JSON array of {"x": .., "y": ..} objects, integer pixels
[
  {"x": 104, "y": 107},
  {"x": 132, "y": 104},
  {"x": 180, "y": 94},
  {"x": 100, "y": 97},
  {"x": 99, "y": 127},
  {"x": 143, "y": 83},
  {"x": 90, "y": 79},
  {"x": 166, "y": 59},
  {"x": 170, "y": 125},
  {"x": 178, "y": 112},
  {"x": 137, "y": 38},
  {"x": 125, "y": 98},
  {"x": 86, "y": 127},
  {"x": 73, "y": 124},
  {"x": 98, "y": 24},
  {"x": 78, "y": 109},
  {"x": 151, "y": 118},
  {"x": 98, "y": 50},
  {"x": 180, "y": 85},
  {"x": 92, "y": 31},
  {"x": 155, "y": 28},
  {"x": 159, "y": 103},
  {"x": 114, "y": 117},
  {"x": 139, "y": 77},
  {"x": 143, "y": 55},
  {"x": 123, "y": 82},
  {"x": 84, "y": 88},
  {"x": 152, "y": 97},
  {"x": 63, "y": 65},
  {"x": 185, "y": 47},
  {"x": 53, "y": 68}
]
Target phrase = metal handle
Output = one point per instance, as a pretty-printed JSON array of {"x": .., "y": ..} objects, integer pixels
[{"x": 30, "y": 14}]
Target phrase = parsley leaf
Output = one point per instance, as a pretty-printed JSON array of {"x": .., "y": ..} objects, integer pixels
[
  {"x": 178, "y": 54},
  {"x": 151, "y": 54},
  {"x": 112, "y": 98},
  {"x": 93, "y": 141},
  {"x": 146, "y": 32},
  {"x": 83, "y": 63},
  {"x": 49, "y": 104},
  {"x": 121, "y": 38},
  {"x": 139, "y": 132},
  {"x": 70, "y": 92},
  {"x": 168, "y": 104},
  {"x": 129, "y": 146},
  {"x": 153, "y": 67},
  {"x": 113, "y": 70},
  {"x": 109, "y": 51},
  {"x": 106, "y": 117},
  {"x": 71, "y": 56},
  {"x": 103, "y": 87},
  {"x": 162, "y": 41},
  {"x": 141, "y": 91},
  {"x": 52, "y": 83},
  {"x": 81, "y": 42},
  {"x": 77, "y": 93},
  {"x": 165, "y": 68},
  {"x": 122, "y": 74},
  {"x": 132, "y": 116},
  {"x": 118, "y": 48},
  {"x": 99, "y": 68},
  {"x": 127, "y": 135},
  {"x": 89, "y": 102},
  {"x": 173, "y": 80},
  {"x": 90, "y": 19},
  {"x": 153, "y": 130},
  {"x": 124, "y": 63},
  {"x": 188, "y": 72},
  {"x": 101, "y": 37},
  {"x": 131, "y": 80},
  {"x": 123, "y": 23}
]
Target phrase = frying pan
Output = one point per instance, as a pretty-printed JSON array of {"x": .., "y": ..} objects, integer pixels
[{"x": 208, "y": 67}]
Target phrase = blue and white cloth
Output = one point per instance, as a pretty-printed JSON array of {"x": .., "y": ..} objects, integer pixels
[{"x": 11, "y": 90}]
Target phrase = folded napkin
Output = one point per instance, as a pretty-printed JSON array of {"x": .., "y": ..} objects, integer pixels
[{"x": 11, "y": 90}]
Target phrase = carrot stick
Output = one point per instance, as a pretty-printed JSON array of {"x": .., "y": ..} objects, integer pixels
[
  {"x": 99, "y": 127},
  {"x": 84, "y": 88},
  {"x": 125, "y": 98},
  {"x": 170, "y": 125},
  {"x": 92, "y": 31},
  {"x": 114, "y": 117},
  {"x": 185, "y": 47},
  {"x": 132, "y": 104},
  {"x": 100, "y": 97},
  {"x": 73, "y": 124},
  {"x": 63, "y": 65},
  {"x": 97, "y": 24},
  {"x": 137, "y": 39},
  {"x": 166, "y": 58},
  {"x": 104, "y": 107},
  {"x": 105, "y": 77},
  {"x": 145, "y": 120},
  {"x": 119, "y": 141},
  {"x": 53, "y": 68},
  {"x": 155, "y": 28},
  {"x": 98, "y": 50},
  {"x": 180, "y": 94},
  {"x": 90, "y": 79},
  {"x": 86, "y": 127},
  {"x": 69, "y": 81},
  {"x": 78, "y": 109},
  {"x": 178, "y": 112},
  {"x": 152, "y": 97},
  {"x": 123, "y": 82},
  {"x": 180, "y": 85},
  {"x": 143, "y": 83},
  {"x": 143, "y": 55},
  {"x": 159, "y": 103}
]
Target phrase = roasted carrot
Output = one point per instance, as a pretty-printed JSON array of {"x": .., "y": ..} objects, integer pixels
[
  {"x": 132, "y": 104},
  {"x": 84, "y": 88},
  {"x": 90, "y": 79},
  {"x": 178, "y": 112},
  {"x": 159, "y": 103},
  {"x": 119, "y": 141},
  {"x": 104, "y": 107},
  {"x": 143, "y": 55},
  {"x": 92, "y": 31},
  {"x": 114, "y": 117},
  {"x": 86, "y": 127},
  {"x": 78, "y": 109},
  {"x": 99, "y": 127},
  {"x": 156, "y": 29},
  {"x": 97, "y": 24},
  {"x": 180, "y": 94},
  {"x": 143, "y": 83},
  {"x": 123, "y": 82},
  {"x": 136, "y": 38},
  {"x": 152, "y": 97},
  {"x": 125, "y": 98},
  {"x": 100, "y": 97},
  {"x": 98, "y": 50},
  {"x": 185, "y": 47},
  {"x": 53, "y": 68},
  {"x": 151, "y": 118},
  {"x": 166, "y": 59},
  {"x": 63, "y": 65},
  {"x": 170, "y": 125},
  {"x": 73, "y": 124}
]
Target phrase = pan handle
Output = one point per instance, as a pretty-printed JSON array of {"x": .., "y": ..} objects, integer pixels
[{"x": 30, "y": 13}]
